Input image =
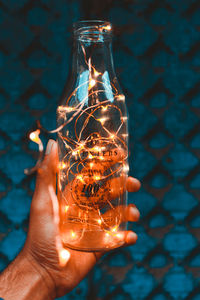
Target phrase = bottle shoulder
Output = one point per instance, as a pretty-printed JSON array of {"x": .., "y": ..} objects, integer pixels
[{"x": 91, "y": 91}]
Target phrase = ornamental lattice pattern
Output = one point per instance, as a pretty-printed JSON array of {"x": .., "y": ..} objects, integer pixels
[{"x": 157, "y": 58}]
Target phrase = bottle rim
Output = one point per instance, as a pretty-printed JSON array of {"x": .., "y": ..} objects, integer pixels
[{"x": 85, "y": 29}]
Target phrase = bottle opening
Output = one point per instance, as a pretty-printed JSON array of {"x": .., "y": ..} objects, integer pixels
[{"x": 92, "y": 30}]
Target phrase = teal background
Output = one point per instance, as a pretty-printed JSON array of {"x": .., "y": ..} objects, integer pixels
[{"x": 157, "y": 60}]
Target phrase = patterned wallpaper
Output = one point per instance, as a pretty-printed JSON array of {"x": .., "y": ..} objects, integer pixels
[{"x": 157, "y": 59}]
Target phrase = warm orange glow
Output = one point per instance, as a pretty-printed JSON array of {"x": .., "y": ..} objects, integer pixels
[
  {"x": 96, "y": 73},
  {"x": 85, "y": 162},
  {"x": 62, "y": 165},
  {"x": 126, "y": 168},
  {"x": 120, "y": 97},
  {"x": 73, "y": 234},
  {"x": 82, "y": 144},
  {"x": 97, "y": 148},
  {"x": 107, "y": 27},
  {"x": 102, "y": 120},
  {"x": 34, "y": 136},
  {"x": 114, "y": 229},
  {"x": 66, "y": 208},
  {"x": 80, "y": 177},
  {"x": 104, "y": 108},
  {"x": 64, "y": 256},
  {"x": 99, "y": 221},
  {"x": 119, "y": 236},
  {"x": 112, "y": 136},
  {"x": 96, "y": 177},
  {"x": 124, "y": 119},
  {"x": 65, "y": 108},
  {"x": 92, "y": 83}
]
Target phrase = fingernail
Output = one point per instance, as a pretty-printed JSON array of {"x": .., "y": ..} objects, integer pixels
[
  {"x": 49, "y": 147},
  {"x": 131, "y": 237}
]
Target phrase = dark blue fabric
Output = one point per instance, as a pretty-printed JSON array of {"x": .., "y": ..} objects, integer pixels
[{"x": 157, "y": 60}]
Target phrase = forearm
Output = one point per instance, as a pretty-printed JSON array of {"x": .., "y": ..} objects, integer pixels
[{"x": 21, "y": 280}]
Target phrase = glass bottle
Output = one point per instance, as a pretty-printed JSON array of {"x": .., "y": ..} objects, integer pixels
[{"x": 92, "y": 142}]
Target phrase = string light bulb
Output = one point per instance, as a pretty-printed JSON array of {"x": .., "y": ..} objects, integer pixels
[
  {"x": 73, "y": 234},
  {"x": 107, "y": 27},
  {"x": 66, "y": 208},
  {"x": 102, "y": 120},
  {"x": 120, "y": 97},
  {"x": 96, "y": 73},
  {"x": 92, "y": 83},
  {"x": 34, "y": 136},
  {"x": 104, "y": 108},
  {"x": 64, "y": 256},
  {"x": 62, "y": 165}
]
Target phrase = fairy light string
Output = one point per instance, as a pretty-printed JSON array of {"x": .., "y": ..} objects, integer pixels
[{"x": 85, "y": 165}]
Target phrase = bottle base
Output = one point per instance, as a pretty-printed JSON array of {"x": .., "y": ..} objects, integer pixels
[{"x": 90, "y": 241}]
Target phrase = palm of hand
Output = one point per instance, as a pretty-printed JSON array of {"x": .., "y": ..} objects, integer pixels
[{"x": 43, "y": 235}]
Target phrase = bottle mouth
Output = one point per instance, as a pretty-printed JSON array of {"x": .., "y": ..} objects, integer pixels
[{"x": 93, "y": 30}]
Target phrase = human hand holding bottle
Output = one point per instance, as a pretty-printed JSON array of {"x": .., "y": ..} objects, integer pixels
[{"x": 43, "y": 269}]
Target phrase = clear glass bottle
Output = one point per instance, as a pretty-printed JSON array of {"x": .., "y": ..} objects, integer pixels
[{"x": 93, "y": 148}]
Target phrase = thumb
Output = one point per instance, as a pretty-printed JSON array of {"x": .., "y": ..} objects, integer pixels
[{"x": 46, "y": 176}]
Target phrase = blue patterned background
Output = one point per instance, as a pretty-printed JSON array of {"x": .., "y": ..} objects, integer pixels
[{"x": 157, "y": 59}]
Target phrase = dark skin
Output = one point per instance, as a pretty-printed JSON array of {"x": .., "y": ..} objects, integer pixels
[{"x": 38, "y": 267}]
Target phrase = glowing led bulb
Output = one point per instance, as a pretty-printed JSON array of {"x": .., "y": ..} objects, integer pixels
[
  {"x": 99, "y": 221},
  {"x": 92, "y": 83},
  {"x": 34, "y": 136},
  {"x": 119, "y": 236},
  {"x": 124, "y": 119},
  {"x": 120, "y": 97},
  {"x": 90, "y": 156},
  {"x": 112, "y": 136},
  {"x": 114, "y": 229},
  {"x": 102, "y": 120},
  {"x": 80, "y": 177},
  {"x": 65, "y": 108},
  {"x": 82, "y": 144},
  {"x": 107, "y": 27},
  {"x": 66, "y": 208},
  {"x": 126, "y": 168},
  {"x": 96, "y": 73},
  {"x": 97, "y": 148},
  {"x": 97, "y": 177},
  {"x": 73, "y": 234},
  {"x": 64, "y": 256},
  {"x": 104, "y": 108},
  {"x": 62, "y": 165}
]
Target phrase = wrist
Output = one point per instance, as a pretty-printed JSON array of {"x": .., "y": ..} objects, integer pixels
[
  {"x": 42, "y": 276},
  {"x": 24, "y": 280}
]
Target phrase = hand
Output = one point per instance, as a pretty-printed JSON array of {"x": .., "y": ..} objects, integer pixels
[{"x": 41, "y": 247}]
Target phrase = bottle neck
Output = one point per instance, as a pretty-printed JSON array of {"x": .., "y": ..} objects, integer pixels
[{"x": 92, "y": 56}]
